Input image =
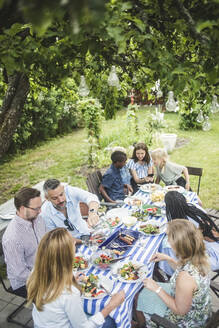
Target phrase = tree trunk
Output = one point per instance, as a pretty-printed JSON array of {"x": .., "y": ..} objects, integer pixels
[{"x": 10, "y": 113}]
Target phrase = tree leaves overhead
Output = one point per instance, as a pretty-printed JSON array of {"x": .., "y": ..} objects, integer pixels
[{"x": 173, "y": 40}]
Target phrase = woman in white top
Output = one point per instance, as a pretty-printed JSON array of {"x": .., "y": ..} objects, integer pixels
[
  {"x": 54, "y": 291},
  {"x": 141, "y": 166},
  {"x": 170, "y": 173}
]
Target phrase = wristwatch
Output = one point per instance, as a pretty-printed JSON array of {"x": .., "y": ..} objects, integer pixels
[{"x": 92, "y": 210}]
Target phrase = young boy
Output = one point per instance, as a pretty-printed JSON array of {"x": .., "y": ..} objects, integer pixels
[{"x": 112, "y": 187}]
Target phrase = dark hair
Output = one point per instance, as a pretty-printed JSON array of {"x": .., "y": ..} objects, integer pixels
[
  {"x": 118, "y": 156},
  {"x": 177, "y": 207},
  {"x": 142, "y": 146},
  {"x": 50, "y": 184},
  {"x": 23, "y": 197}
]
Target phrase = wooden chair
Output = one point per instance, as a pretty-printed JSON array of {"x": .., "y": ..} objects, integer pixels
[
  {"x": 214, "y": 285},
  {"x": 165, "y": 323},
  {"x": 214, "y": 214},
  {"x": 198, "y": 172},
  {"x": 93, "y": 182},
  {"x": 10, "y": 317}
]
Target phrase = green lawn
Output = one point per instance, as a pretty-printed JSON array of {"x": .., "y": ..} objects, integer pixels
[{"x": 65, "y": 157}]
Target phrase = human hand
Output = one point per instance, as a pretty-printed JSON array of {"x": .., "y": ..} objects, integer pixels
[
  {"x": 187, "y": 186},
  {"x": 117, "y": 299},
  {"x": 150, "y": 284},
  {"x": 79, "y": 276},
  {"x": 158, "y": 257},
  {"x": 130, "y": 190},
  {"x": 93, "y": 219}
]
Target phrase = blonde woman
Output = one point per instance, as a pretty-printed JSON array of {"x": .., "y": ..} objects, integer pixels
[
  {"x": 186, "y": 299},
  {"x": 170, "y": 173},
  {"x": 54, "y": 291}
]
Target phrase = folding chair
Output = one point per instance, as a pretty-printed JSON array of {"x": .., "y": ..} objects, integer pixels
[
  {"x": 10, "y": 317},
  {"x": 197, "y": 171}
]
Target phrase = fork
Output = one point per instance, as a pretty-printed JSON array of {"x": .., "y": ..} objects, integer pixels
[{"x": 116, "y": 245}]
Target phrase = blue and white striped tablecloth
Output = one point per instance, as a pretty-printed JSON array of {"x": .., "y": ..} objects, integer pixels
[{"x": 123, "y": 314}]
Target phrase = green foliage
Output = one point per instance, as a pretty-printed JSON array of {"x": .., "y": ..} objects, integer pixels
[
  {"x": 47, "y": 113},
  {"x": 64, "y": 159},
  {"x": 52, "y": 40},
  {"x": 92, "y": 112},
  {"x": 132, "y": 119},
  {"x": 191, "y": 103}
]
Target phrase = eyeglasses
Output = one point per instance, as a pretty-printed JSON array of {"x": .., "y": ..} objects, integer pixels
[
  {"x": 69, "y": 225},
  {"x": 37, "y": 209}
]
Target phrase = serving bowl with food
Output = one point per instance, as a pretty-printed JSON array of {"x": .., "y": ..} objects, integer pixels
[
  {"x": 80, "y": 262},
  {"x": 133, "y": 201},
  {"x": 150, "y": 187},
  {"x": 129, "y": 220},
  {"x": 152, "y": 228},
  {"x": 102, "y": 259},
  {"x": 157, "y": 198},
  {"x": 91, "y": 288},
  {"x": 174, "y": 188},
  {"x": 140, "y": 214},
  {"x": 152, "y": 210},
  {"x": 129, "y": 271}
]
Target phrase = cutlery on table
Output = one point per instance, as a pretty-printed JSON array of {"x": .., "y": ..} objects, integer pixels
[
  {"x": 119, "y": 246},
  {"x": 118, "y": 259}
]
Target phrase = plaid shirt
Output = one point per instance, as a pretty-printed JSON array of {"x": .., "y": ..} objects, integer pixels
[{"x": 20, "y": 242}]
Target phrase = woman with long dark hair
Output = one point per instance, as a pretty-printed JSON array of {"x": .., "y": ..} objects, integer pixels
[
  {"x": 141, "y": 166},
  {"x": 177, "y": 207}
]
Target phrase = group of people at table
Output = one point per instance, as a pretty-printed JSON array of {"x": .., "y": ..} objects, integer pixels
[{"x": 39, "y": 247}]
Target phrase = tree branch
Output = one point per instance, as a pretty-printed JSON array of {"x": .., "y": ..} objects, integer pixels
[{"x": 191, "y": 24}]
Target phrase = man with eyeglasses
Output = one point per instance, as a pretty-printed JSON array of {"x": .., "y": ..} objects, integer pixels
[
  {"x": 62, "y": 208},
  {"x": 21, "y": 238}
]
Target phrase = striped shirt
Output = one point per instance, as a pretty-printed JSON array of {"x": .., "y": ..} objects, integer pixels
[
  {"x": 20, "y": 242},
  {"x": 141, "y": 170}
]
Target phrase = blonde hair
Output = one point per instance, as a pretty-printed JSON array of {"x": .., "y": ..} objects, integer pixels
[
  {"x": 53, "y": 268},
  {"x": 187, "y": 242},
  {"x": 159, "y": 153}
]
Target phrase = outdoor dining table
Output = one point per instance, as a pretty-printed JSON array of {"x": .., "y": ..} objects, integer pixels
[{"x": 138, "y": 253}]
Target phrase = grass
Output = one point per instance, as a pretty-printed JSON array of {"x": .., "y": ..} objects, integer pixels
[{"x": 65, "y": 157}]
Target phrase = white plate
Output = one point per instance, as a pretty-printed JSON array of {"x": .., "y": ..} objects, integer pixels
[
  {"x": 131, "y": 201},
  {"x": 157, "y": 196},
  {"x": 86, "y": 258},
  {"x": 174, "y": 188},
  {"x": 161, "y": 225},
  {"x": 150, "y": 187},
  {"x": 159, "y": 204},
  {"x": 142, "y": 271},
  {"x": 100, "y": 252},
  {"x": 7, "y": 216},
  {"x": 120, "y": 212},
  {"x": 102, "y": 295},
  {"x": 116, "y": 212},
  {"x": 129, "y": 220}
]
